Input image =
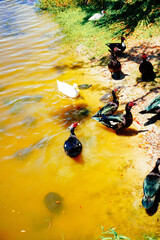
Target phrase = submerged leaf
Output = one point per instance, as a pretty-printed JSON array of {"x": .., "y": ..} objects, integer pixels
[
  {"x": 41, "y": 143},
  {"x": 53, "y": 202},
  {"x": 72, "y": 113},
  {"x": 10, "y": 101},
  {"x": 29, "y": 121},
  {"x": 16, "y": 108},
  {"x": 24, "y": 152}
]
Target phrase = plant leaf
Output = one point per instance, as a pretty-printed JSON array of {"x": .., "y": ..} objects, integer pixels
[
  {"x": 102, "y": 228},
  {"x": 113, "y": 231},
  {"x": 123, "y": 237},
  {"x": 149, "y": 238},
  {"x": 106, "y": 238}
]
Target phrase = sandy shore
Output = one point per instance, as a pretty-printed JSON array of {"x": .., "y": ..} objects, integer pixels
[{"x": 132, "y": 89}]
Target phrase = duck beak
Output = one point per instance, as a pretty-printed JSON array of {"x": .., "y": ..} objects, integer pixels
[{"x": 134, "y": 103}]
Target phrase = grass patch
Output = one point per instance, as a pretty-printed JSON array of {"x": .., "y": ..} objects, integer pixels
[{"x": 79, "y": 31}]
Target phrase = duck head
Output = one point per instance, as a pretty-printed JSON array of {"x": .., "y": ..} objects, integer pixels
[
  {"x": 74, "y": 125},
  {"x": 122, "y": 39},
  {"x": 144, "y": 56},
  {"x": 129, "y": 105},
  {"x": 103, "y": 12},
  {"x": 115, "y": 90}
]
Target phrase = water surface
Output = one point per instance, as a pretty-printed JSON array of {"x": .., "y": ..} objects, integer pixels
[{"x": 103, "y": 187}]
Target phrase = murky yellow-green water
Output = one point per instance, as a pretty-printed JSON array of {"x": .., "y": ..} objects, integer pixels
[{"x": 103, "y": 187}]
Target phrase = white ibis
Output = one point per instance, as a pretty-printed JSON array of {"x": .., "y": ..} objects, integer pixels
[{"x": 97, "y": 16}]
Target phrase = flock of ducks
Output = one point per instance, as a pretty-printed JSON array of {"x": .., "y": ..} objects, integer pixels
[
  {"x": 73, "y": 147},
  {"x": 118, "y": 122}
]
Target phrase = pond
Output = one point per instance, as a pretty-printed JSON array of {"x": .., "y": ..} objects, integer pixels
[{"x": 103, "y": 187}]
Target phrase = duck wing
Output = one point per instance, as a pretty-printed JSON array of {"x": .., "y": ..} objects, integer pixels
[
  {"x": 103, "y": 121},
  {"x": 114, "y": 121},
  {"x": 151, "y": 185},
  {"x": 107, "y": 109},
  {"x": 116, "y": 118},
  {"x": 154, "y": 105},
  {"x": 113, "y": 45},
  {"x": 72, "y": 146}
]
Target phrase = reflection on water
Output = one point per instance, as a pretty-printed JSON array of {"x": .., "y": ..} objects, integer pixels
[{"x": 103, "y": 186}]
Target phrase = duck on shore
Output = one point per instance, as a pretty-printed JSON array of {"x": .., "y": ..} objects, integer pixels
[
  {"x": 114, "y": 65},
  {"x": 119, "y": 121},
  {"x": 153, "y": 107},
  {"x": 121, "y": 46},
  {"x": 146, "y": 69},
  {"x": 72, "y": 146},
  {"x": 110, "y": 107}
]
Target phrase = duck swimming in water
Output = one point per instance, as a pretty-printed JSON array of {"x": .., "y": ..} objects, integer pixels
[
  {"x": 67, "y": 89},
  {"x": 151, "y": 186},
  {"x": 118, "y": 121},
  {"x": 110, "y": 107},
  {"x": 72, "y": 145}
]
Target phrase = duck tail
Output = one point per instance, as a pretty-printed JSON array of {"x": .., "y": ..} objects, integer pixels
[
  {"x": 96, "y": 118},
  {"x": 143, "y": 112},
  {"x": 108, "y": 45},
  {"x": 158, "y": 162},
  {"x": 148, "y": 202},
  {"x": 97, "y": 115}
]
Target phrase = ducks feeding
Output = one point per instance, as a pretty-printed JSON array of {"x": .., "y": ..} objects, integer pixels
[
  {"x": 110, "y": 107},
  {"x": 72, "y": 145},
  {"x": 68, "y": 90},
  {"x": 146, "y": 69},
  {"x": 118, "y": 121},
  {"x": 97, "y": 16},
  {"x": 151, "y": 186},
  {"x": 121, "y": 46}
]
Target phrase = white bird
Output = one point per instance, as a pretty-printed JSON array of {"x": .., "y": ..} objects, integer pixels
[
  {"x": 97, "y": 16},
  {"x": 68, "y": 90}
]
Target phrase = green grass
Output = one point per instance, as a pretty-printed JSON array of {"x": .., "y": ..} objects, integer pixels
[{"x": 79, "y": 31}]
